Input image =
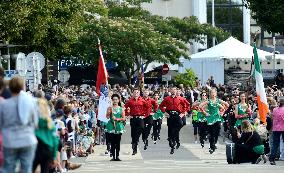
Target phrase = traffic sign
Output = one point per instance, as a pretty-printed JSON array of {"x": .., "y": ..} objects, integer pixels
[
  {"x": 166, "y": 69},
  {"x": 10, "y": 74},
  {"x": 30, "y": 60},
  {"x": 63, "y": 76},
  {"x": 166, "y": 78}
]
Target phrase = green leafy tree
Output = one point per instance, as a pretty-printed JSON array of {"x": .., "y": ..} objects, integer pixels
[
  {"x": 187, "y": 78},
  {"x": 130, "y": 43},
  {"x": 268, "y": 14},
  {"x": 132, "y": 36},
  {"x": 49, "y": 27}
]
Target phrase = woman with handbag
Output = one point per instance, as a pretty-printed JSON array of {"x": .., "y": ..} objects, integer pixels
[
  {"x": 115, "y": 127},
  {"x": 249, "y": 147}
]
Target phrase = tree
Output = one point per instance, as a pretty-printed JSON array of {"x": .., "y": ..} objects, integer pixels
[
  {"x": 133, "y": 37},
  {"x": 187, "y": 78},
  {"x": 131, "y": 43},
  {"x": 49, "y": 27},
  {"x": 268, "y": 14}
]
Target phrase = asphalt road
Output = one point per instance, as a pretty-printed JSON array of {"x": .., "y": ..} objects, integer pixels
[{"x": 190, "y": 157}]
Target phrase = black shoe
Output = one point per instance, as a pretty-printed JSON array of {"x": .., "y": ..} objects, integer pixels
[
  {"x": 202, "y": 145},
  {"x": 178, "y": 145},
  {"x": 134, "y": 152},
  {"x": 172, "y": 151},
  {"x": 145, "y": 147},
  {"x": 159, "y": 137},
  {"x": 211, "y": 151},
  {"x": 117, "y": 159},
  {"x": 272, "y": 163},
  {"x": 112, "y": 159}
]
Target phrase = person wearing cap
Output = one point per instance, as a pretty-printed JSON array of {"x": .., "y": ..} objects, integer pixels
[
  {"x": 136, "y": 107},
  {"x": 174, "y": 108},
  {"x": 277, "y": 130}
]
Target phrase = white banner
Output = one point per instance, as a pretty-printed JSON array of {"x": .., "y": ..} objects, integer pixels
[{"x": 104, "y": 103}]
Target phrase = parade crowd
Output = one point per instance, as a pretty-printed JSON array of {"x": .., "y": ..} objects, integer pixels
[{"x": 48, "y": 127}]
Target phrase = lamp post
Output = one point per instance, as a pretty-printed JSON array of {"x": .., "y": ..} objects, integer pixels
[
  {"x": 213, "y": 20},
  {"x": 274, "y": 59}
]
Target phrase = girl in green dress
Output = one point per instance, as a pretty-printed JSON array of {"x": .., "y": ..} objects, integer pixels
[
  {"x": 115, "y": 126},
  {"x": 242, "y": 111},
  {"x": 213, "y": 117},
  {"x": 157, "y": 120},
  {"x": 201, "y": 118}
]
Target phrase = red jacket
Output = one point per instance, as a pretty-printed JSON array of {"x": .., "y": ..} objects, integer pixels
[
  {"x": 177, "y": 103},
  {"x": 152, "y": 106},
  {"x": 137, "y": 107}
]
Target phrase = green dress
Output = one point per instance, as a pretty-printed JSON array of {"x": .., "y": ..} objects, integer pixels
[
  {"x": 116, "y": 127},
  {"x": 241, "y": 111},
  {"x": 213, "y": 111},
  {"x": 201, "y": 116},
  {"x": 47, "y": 136},
  {"x": 159, "y": 114}
]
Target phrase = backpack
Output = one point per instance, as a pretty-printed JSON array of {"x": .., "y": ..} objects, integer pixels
[{"x": 262, "y": 131}]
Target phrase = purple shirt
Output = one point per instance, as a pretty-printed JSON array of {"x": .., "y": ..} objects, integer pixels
[{"x": 278, "y": 119}]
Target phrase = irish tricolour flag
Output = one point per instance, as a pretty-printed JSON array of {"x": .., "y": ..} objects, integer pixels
[{"x": 260, "y": 91}]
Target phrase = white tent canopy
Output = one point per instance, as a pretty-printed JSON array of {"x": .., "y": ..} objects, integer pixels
[
  {"x": 231, "y": 49},
  {"x": 210, "y": 62}
]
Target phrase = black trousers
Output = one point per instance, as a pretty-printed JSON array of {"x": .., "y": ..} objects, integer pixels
[
  {"x": 174, "y": 125},
  {"x": 148, "y": 124},
  {"x": 195, "y": 127},
  {"x": 213, "y": 130},
  {"x": 115, "y": 144},
  {"x": 108, "y": 140},
  {"x": 137, "y": 127},
  {"x": 218, "y": 130},
  {"x": 43, "y": 157},
  {"x": 202, "y": 126},
  {"x": 157, "y": 125},
  {"x": 245, "y": 154}
]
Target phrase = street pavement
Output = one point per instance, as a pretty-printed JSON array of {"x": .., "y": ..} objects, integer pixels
[{"x": 190, "y": 157}]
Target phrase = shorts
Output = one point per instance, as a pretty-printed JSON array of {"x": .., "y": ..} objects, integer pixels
[{"x": 63, "y": 155}]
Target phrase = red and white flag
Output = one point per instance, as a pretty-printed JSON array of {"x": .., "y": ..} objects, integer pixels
[{"x": 102, "y": 75}]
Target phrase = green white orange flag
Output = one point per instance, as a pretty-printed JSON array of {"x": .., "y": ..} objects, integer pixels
[{"x": 260, "y": 91}]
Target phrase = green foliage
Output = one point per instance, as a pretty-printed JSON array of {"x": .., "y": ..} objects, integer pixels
[
  {"x": 49, "y": 27},
  {"x": 268, "y": 14},
  {"x": 223, "y": 16},
  {"x": 187, "y": 78},
  {"x": 127, "y": 41},
  {"x": 130, "y": 34}
]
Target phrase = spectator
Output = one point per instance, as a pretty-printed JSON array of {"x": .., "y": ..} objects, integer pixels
[
  {"x": 249, "y": 147},
  {"x": 277, "y": 130},
  {"x": 47, "y": 142},
  {"x": 18, "y": 121},
  {"x": 6, "y": 93}
]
